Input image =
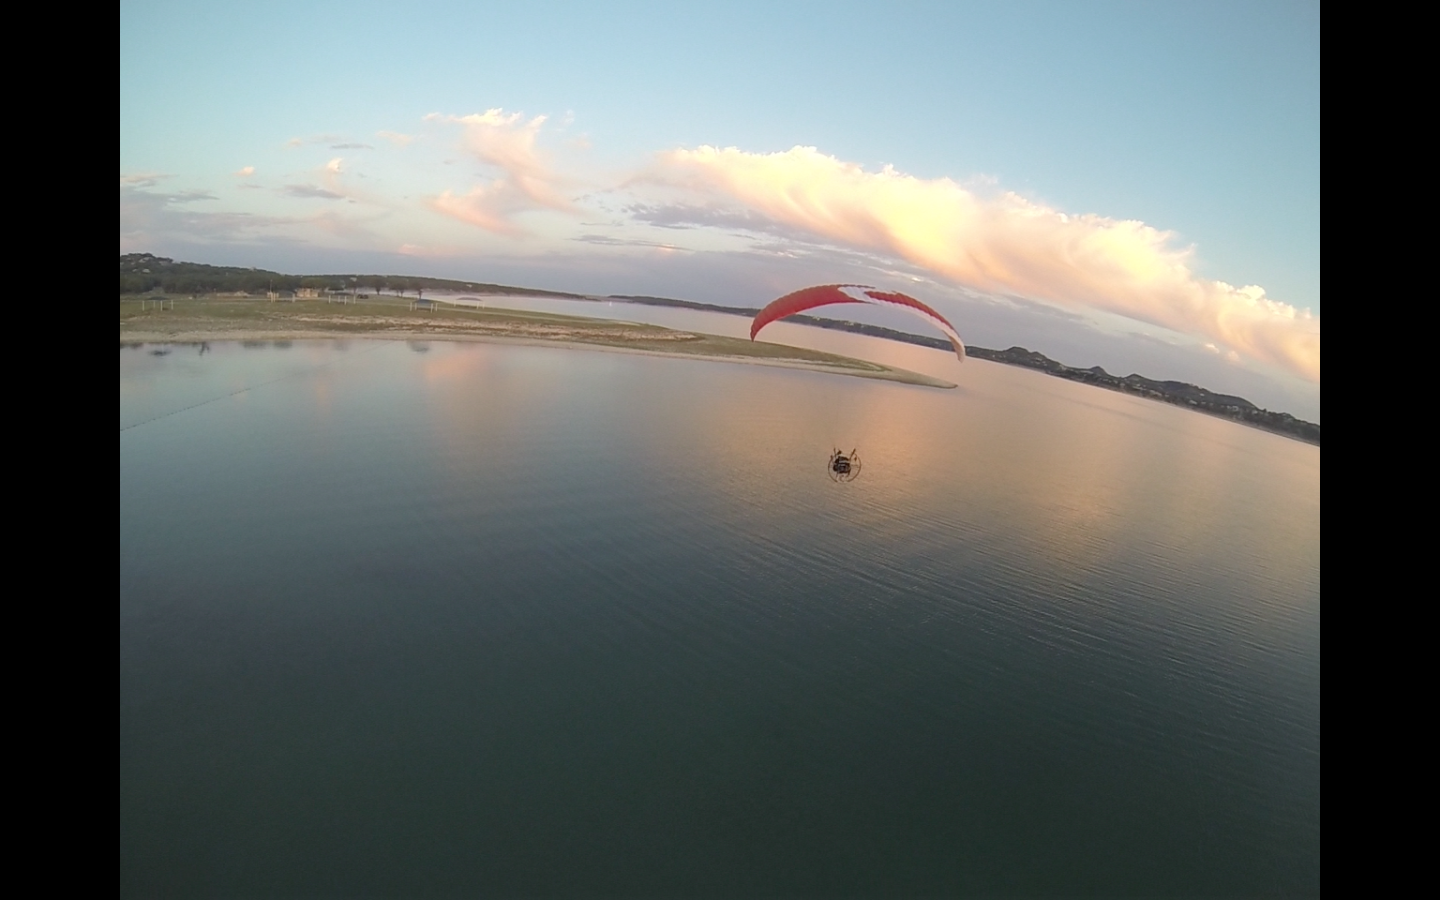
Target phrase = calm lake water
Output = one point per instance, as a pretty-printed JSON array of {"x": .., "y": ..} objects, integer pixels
[{"x": 467, "y": 619}]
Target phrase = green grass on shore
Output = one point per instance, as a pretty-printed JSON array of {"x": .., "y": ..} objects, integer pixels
[{"x": 221, "y": 318}]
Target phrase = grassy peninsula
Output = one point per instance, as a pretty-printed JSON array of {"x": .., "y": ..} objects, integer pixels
[{"x": 153, "y": 319}]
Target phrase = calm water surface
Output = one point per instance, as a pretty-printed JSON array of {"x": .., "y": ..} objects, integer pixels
[{"x": 464, "y": 619}]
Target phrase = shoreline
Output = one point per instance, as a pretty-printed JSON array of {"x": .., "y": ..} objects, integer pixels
[
  {"x": 216, "y": 319},
  {"x": 853, "y": 368}
]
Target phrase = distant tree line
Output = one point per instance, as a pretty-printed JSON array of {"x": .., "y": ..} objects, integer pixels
[
  {"x": 142, "y": 273},
  {"x": 1178, "y": 393}
]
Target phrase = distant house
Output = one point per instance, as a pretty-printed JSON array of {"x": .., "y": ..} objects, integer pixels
[{"x": 308, "y": 293}]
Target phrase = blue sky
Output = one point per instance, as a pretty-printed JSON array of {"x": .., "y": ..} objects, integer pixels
[{"x": 1129, "y": 184}]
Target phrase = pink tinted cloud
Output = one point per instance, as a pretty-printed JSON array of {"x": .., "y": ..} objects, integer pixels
[
  {"x": 527, "y": 182},
  {"x": 488, "y": 206},
  {"x": 1002, "y": 243}
]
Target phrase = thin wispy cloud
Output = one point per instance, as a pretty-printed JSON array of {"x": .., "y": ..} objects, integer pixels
[
  {"x": 149, "y": 218},
  {"x": 330, "y": 187},
  {"x": 429, "y": 252},
  {"x": 688, "y": 216},
  {"x": 141, "y": 179},
  {"x": 334, "y": 141},
  {"x": 310, "y": 192},
  {"x": 396, "y": 138},
  {"x": 606, "y": 241},
  {"x": 335, "y": 181},
  {"x": 1001, "y": 243},
  {"x": 353, "y": 231}
]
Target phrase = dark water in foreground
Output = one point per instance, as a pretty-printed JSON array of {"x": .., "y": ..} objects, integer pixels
[{"x": 503, "y": 621}]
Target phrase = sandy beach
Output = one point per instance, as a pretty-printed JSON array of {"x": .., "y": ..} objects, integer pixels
[{"x": 193, "y": 321}]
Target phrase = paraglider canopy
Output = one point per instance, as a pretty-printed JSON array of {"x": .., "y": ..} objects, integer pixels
[{"x": 826, "y": 294}]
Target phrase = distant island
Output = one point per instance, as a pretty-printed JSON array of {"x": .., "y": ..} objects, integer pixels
[{"x": 144, "y": 273}]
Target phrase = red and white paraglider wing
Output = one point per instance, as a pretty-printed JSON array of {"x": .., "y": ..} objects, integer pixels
[
  {"x": 825, "y": 295},
  {"x": 798, "y": 302},
  {"x": 911, "y": 305}
]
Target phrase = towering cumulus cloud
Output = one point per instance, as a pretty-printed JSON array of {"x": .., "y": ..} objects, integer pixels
[{"x": 1003, "y": 244}]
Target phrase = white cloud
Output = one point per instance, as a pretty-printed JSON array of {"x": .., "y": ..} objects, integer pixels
[
  {"x": 426, "y": 251},
  {"x": 528, "y": 182},
  {"x": 1002, "y": 243},
  {"x": 335, "y": 180},
  {"x": 319, "y": 139},
  {"x": 141, "y": 179},
  {"x": 488, "y": 206},
  {"x": 246, "y": 172},
  {"x": 311, "y": 192}
]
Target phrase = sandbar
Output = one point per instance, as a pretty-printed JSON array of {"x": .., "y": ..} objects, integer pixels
[{"x": 199, "y": 320}]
